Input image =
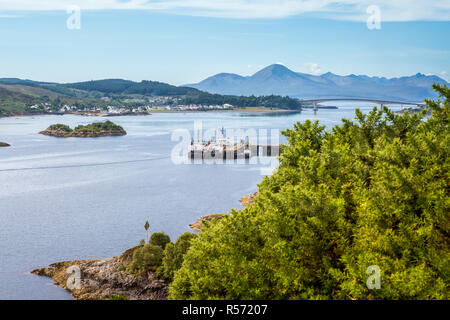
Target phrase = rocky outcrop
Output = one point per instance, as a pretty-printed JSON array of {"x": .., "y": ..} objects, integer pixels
[
  {"x": 246, "y": 201},
  {"x": 99, "y": 279},
  {"x": 83, "y": 134},
  {"x": 197, "y": 225},
  {"x": 4, "y": 144},
  {"x": 249, "y": 199}
]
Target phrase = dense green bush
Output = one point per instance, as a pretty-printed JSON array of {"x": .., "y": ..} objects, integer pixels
[
  {"x": 60, "y": 127},
  {"x": 98, "y": 126},
  {"x": 145, "y": 258},
  {"x": 159, "y": 239},
  {"x": 370, "y": 192},
  {"x": 173, "y": 255}
]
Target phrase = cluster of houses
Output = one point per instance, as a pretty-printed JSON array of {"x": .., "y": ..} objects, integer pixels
[
  {"x": 194, "y": 107},
  {"x": 41, "y": 106},
  {"x": 123, "y": 110}
]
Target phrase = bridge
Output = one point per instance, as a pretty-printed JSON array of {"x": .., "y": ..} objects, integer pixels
[{"x": 314, "y": 102}]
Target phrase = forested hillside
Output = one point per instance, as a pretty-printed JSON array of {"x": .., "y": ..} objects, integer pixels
[
  {"x": 17, "y": 95},
  {"x": 120, "y": 86},
  {"x": 11, "y": 101}
]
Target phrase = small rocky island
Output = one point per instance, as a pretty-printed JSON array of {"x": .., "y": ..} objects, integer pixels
[
  {"x": 4, "y": 144},
  {"x": 93, "y": 130}
]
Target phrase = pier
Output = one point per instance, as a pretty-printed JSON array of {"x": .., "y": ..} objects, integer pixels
[{"x": 238, "y": 151}]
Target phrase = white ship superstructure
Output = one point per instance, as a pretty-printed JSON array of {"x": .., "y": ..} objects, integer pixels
[{"x": 221, "y": 147}]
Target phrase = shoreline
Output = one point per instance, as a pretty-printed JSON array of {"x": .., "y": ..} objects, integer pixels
[
  {"x": 87, "y": 134},
  {"x": 100, "y": 279},
  {"x": 94, "y": 114}
]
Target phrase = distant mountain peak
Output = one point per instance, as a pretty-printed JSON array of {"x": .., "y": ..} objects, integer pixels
[
  {"x": 280, "y": 80},
  {"x": 276, "y": 67},
  {"x": 275, "y": 70},
  {"x": 227, "y": 75}
]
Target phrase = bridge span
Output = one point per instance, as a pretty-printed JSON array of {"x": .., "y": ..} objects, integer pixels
[{"x": 314, "y": 102}]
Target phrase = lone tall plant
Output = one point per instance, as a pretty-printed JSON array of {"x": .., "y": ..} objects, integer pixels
[{"x": 146, "y": 226}]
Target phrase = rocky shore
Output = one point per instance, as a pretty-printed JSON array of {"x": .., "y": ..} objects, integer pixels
[
  {"x": 4, "y": 144},
  {"x": 102, "y": 278},
  {"x": 99, "y": 279},
  {"x": 248, "y": 199},
  {"x": 81, "y": 134},
  {"x": 197, "y": 225}
]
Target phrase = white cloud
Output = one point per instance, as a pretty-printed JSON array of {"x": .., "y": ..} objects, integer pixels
[
  {"x": 443, "y": 74},
  {"x": 314, "y": 68},
  {"x": 10, "y": 16},
  {"x": 398, "y": 10}
]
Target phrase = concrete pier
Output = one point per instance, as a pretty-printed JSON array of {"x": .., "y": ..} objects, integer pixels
[{"x": 238, "y": 152}]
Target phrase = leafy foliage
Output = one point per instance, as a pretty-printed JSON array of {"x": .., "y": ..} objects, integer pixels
[
  {"x": 174, "y": 255},
  {"x": 93, "y": 127},
  {"x": 148, "y": 257},
  {"x": 98, "y": 126},
  {"x": 14, "y": 102},
  {"x": 120, "y": 86},
  {"x": 60, "y": 127},
  {"x": 159, "y": 239},
  {"x": 145, "y": 258},
  {"x": 370, "y": 192}
]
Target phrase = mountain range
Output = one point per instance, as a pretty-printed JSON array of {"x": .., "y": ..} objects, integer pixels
[{"x": 279, "y": 80}]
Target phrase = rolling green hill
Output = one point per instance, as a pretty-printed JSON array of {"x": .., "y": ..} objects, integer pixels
[
  {"x": 17, "y": 95},
  {"x": 15, "y": 102},
  {"x": 35, "y": 91},
  {"x": 120, "y": 86}
]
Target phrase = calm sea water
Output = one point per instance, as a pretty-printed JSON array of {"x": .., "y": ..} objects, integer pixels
[{"x": 66, "y": 199}]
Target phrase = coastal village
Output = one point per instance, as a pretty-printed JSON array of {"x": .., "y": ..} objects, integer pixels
[{"x": 156, "y": 104}]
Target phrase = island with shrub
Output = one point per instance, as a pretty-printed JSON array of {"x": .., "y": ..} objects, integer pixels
[{"x": 93, "y": 130}]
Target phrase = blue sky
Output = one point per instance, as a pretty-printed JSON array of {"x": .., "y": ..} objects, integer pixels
[{"x": 182, "y": 44}]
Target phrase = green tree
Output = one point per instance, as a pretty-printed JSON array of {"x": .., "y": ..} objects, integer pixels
[
  {"x": 174, "y": 255},
  {"x": 159, "y": 239},
  {"x": 145, "y": 258}
]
